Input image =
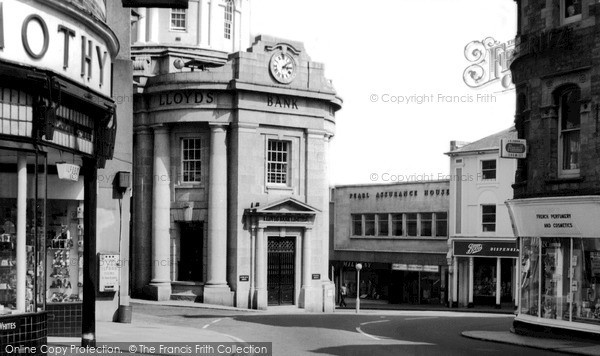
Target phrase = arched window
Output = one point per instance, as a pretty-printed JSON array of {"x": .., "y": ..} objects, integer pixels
[
  {"x": 569, "y": 126},
  {"x": 228, "y": 18}
]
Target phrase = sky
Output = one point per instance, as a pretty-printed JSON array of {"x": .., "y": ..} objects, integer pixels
[{"x": 398, "y": 65}]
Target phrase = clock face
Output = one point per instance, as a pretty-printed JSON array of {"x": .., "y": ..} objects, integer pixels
[{"x": 283, "y": 67}]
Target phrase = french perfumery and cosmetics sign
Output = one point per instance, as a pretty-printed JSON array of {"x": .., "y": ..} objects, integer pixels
[
  {"x": 50, "y": 40},
  {"x": 556, "y": 217}
]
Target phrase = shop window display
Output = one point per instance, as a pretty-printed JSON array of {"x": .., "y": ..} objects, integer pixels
[
  {"x": 555, "y": 255},
  {"x": 585, "y": 285},
  {"x": 530, "y": 275},
  {"x": 33, "y": 277},
  {"x": 568, "y": 287},
  {"x": 484, "y": 281},
  {"x": 64, "y": 259}
]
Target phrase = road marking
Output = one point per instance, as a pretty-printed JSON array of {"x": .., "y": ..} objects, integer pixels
[
  {"x": 373, "y": 322},
  {"x": 212, "y": 322},
  {"x": 365, "y": 334},
  {"x": 423, "y": 317},
  {"x": 396, "y": 342}
]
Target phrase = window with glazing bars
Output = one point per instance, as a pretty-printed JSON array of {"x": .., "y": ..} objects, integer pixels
[
  {"x": 277, "y": 162},
  {"x": 228, "y": 18},
  {"x": 178, "y": 19},
  {"x": 191, "y": 160}
]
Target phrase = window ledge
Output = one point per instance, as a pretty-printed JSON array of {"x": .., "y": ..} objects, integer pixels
[
  {"x": 488, "y": 182},
  {"x": 277, "y": 187},
  {"x": 577, "y": 179},
  {"x": 189, "y": 185},
  {"x": 398, "y": 238}
]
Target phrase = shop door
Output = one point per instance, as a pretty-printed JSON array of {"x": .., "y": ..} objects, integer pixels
[
  {"x": 190, "y": 258},
  {"x": 281, "y": 270}
]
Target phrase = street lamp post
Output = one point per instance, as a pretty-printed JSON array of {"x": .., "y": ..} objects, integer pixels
[{"x": 358, "y": 268}]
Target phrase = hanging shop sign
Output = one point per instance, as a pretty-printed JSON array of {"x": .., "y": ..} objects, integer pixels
[
  {"x": 67, "y": 171},
  {"x": 513, "y": 148},
  {"x": 56, "y": 42},
  {"x": 475, "y": 248},
  {"x": 556, "y": 217}
]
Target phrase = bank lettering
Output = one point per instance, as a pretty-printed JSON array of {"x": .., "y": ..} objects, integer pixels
[
  {"x": 185, "y": 97},
  {"x": 282, "y": 102}
]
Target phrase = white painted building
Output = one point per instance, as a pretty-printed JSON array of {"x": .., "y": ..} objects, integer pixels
[{"x": 482, "y": 245}]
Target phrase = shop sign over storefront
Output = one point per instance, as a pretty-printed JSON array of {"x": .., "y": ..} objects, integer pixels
[
  {"x": 52, "y": 41},
  {"x": 474, "y": 248},
  {"x": 556, "y": 217}
]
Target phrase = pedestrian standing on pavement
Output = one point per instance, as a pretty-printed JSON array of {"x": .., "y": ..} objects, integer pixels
[{"x": 343, "y": 292}]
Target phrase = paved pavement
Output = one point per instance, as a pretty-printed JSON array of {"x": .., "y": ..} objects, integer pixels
[
  {"x": 507, "y": 337},
  {"x": 143, "y": 329}
]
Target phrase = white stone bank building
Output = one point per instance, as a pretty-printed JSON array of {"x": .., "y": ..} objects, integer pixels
[{"x": 230, "y": 183}]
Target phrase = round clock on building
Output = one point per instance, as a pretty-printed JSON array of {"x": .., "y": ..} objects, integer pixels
[{"x": 283, "y": 67}]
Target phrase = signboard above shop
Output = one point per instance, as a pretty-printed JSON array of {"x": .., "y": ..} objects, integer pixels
[
  {"x": 44, "y": 38},
  {"x": 556, "y": 217},
  {"x": 414, "y": 268},
  {"x": 476, "y": 248}
]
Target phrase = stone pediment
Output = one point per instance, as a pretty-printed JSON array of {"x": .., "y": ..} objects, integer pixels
[
  {"x": 286, "y": 212},
  {"x": 286, "y": 206}
]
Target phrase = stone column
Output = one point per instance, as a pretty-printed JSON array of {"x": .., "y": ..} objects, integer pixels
[
  {"x": 212, "y": 24},
  {"x": 143, "y": 159},
  {"x": 199, "y": 23},
  {"x": 216, "y": 290},
  {"x": 142, "y": 25},
  {"x": 311, "y": 297},
  {"x": 470, "y": 305},
  {"x": 306, "y": 258},
  {"x": 153, "y": 25},
  {"x": 498, "y": 283},
  {"x": 517, "y": 282},
  {"x": 328, "y": 285},
  {"x": 253, "y": 230},
  {"x": 160, "y": 285},
  {"x": 455, "y": 283},
  {"x": 21, "y": 245},
  {"x": 260, "y": 270}
]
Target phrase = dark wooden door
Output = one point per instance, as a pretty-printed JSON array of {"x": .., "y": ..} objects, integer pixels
[
  {"x": 281, "y": 270},
  {"x": 190, "y": 258}
]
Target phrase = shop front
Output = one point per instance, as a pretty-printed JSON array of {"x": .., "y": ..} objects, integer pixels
[
  {"x": 417, "y": 284},
  {"x": 559, "y": 264},
  {"x": 394, "y": 283},
  {"x": 484, "y": 273},
  {"x": 57, "y": 127},
  {"x": 375, "y": 279}
]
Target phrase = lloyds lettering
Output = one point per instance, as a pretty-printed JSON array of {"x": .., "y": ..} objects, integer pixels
[{"x": 185, "y": 97}]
